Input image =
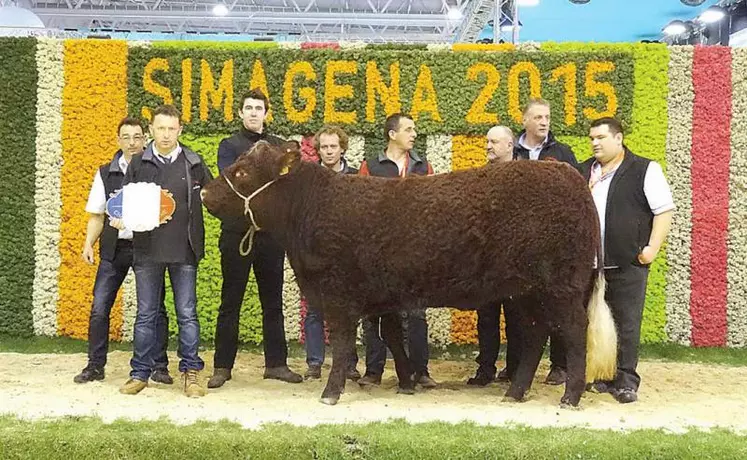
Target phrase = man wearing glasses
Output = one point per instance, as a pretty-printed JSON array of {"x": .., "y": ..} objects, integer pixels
[{"x": 115, "y": 254}]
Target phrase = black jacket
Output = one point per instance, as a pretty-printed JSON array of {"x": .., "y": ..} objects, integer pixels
[
  {"x": 384, "y": 167},
  {"x": 346, "y": 168},
  {"x": 143, "y": 168},
  {"x": 229, "y": 150},
  {"x": 553, "y": 149}
]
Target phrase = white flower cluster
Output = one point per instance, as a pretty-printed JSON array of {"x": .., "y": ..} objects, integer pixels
[{"x": 291, "y": 304}]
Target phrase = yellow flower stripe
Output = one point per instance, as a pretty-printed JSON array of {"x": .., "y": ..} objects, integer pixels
[{"x": 94, "y": 99}]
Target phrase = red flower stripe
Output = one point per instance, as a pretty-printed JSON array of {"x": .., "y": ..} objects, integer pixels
[
  {"x": 315, "y": 45},
  {"x": 710, "y": 183}
]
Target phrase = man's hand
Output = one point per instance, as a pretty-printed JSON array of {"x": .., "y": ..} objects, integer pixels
[
  {"x": 117, "y": 223},
  {"x": 647, "y": 255},
  {"x": 87, "y": 255}
]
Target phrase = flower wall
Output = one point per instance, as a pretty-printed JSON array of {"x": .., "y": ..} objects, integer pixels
[{"x": 683, "y": 107}]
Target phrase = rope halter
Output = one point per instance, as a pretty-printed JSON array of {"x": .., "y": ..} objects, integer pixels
[{"x": 247, "y": 210}]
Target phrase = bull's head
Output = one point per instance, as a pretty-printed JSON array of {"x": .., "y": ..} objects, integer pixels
[{"x": 229, "y": 194}]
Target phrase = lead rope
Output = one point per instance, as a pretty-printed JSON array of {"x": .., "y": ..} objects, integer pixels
[{"x": 247, "y": 210}]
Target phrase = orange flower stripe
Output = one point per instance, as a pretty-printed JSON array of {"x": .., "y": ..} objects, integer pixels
[
  {"x": 94, "y": 99},
  {"x": 467, "y": 152}
]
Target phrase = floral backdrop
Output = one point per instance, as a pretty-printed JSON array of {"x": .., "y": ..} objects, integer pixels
[{"x": 61, "y": 100}]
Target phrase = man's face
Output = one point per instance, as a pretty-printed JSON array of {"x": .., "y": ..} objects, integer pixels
[
  {"x": 165, "y": 130},
  {"x": 253, "y": 113},
  {"x": 500, "y": 146},
  {"x": 405, "y": 135},
  {"x": 537, "y": 121},
  {"x": 605, "y": 145},
  {"x": 329, "y": 149},
  {"x": 131, "y": 139}
]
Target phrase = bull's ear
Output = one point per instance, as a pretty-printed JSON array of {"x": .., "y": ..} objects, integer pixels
[{"x": 291, "y": 156}]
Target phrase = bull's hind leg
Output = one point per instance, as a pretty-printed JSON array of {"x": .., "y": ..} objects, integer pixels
[
  {"x": 573, "y": 325},
  {"x": 392, "y": 334},
  {"x": 533, "y": 337},
  {"x": 342, "y": 339}
]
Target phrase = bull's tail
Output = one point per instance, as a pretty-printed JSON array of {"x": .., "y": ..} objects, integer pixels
[{"x": 601, "y": 336}]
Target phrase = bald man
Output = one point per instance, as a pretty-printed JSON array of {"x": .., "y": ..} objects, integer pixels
[
  {"x": 500, "y": 148},
  {"x": 500, "y": 143}
]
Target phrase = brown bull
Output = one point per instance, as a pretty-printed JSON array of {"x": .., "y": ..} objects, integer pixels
[{"x": 367, "y": 245}]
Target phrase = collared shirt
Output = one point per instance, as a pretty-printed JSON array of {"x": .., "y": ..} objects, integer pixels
[
  {"x": 97, "y": 197},
  {"x": 655, "y": 187},
  {"x": 171, "y": 156},
  {"x": 534, "y": 153}
]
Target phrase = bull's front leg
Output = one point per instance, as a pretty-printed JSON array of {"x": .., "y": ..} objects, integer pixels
[
  {"x": 342, "y": 339},
  {"x": 391, "y": 332},
  {"x": 573, "y": 328}
]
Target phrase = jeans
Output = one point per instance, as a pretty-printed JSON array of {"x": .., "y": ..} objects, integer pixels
[
  {"x": 149, "y": 283},
  {"x": 109, "y": 278},
  {"x": 314, "y": 332}
]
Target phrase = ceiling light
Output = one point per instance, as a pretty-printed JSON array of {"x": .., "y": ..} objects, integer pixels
[
  {"x": 527, "y": 2},
  {"x": 220, "y": 9},
  {"x": 712, "y": 14},
  {"x": 675, "y": 27},
  {"x": 454, "y": 14}
]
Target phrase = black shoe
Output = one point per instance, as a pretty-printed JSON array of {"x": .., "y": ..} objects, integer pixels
[
  {"x": 353, "y": 375},
  {"x": 600, "y": 387},
  {"x": 481, "y": 378},
  {"x": 314, "y": 372},
  {"x": 370, "y": 379},
  {"x": 556, "y": 376},
  {"x": 503, "y": 376},
  {"x": 89, "y": 374},
  {"x": 162, "y": 376},
  {"x": 219, "y": 377},
  {"x": 625, "y": 396},
  {"x": 282, "y": 373}
]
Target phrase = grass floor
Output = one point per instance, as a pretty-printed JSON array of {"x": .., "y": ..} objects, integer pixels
[
  {"x": 87, "y": 438},
  {"x": 662, "y": 352}
]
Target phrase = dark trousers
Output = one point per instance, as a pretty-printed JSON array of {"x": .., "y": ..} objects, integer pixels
[
  {"x": 313, "y": 327},
  {"x": 267, "y": 258},
  {"x": 489, "y": 338},
  {"x": 416, "y": 327},
  {"x": 149, "y": 283},
  {"x": 109, "y": 278},
  {"x": 626, "y": 295}
]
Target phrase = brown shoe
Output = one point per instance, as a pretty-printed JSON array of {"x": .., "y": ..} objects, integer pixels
[
  {"x": 133, "y": 387},
  {"x": 370, "y": 379},
  {"x": 314, "y": 372},
  {"x": 220, "y": 376},
  {"x": 425, "y": 381},
  {"x": 282, "y": 373},
  {"x": 192, "y": 387},
  {"x": 556, "y": 376}
]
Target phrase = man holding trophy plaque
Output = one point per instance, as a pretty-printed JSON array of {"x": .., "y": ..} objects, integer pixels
[{"x": 161, "y": 203}]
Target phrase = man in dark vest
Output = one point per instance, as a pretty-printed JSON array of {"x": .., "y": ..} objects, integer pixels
[
  {"x": 115, "y": 259},
  {"x": 398, "y": 160},
  {"x": 266, "y": 257},
  {"x": 635, "y": 208},
  {"x": 176, "y": 246},
  {"x": 537, "y": 142},
  {"x": 330, "y": 142}
]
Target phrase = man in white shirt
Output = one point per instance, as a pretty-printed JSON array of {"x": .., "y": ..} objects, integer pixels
[
  {"x": 115, "y": 253},
  {"x": 635, "y": 208}
]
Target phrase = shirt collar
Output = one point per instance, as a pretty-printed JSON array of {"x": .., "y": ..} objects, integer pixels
[
  {"x": 122, "y": 163},
  {"x": 171, "y": 156},
  {"x": 522, "y": 140}
]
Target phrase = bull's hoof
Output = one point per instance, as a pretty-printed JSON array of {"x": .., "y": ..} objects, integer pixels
[
  {"x": 510, "y": 399},
  {"x": 567, "y": 403},
  {"x": 405, "y": 391},
  {"x": 330, "y": 400},
  {"x": 566, "y": 406}
]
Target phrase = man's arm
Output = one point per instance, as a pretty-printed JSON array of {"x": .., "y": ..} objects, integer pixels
[
  {"x": 659, "y": 232},
  {"x": 226, "y": 155},
  {"x": 93, "y": 232}
]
